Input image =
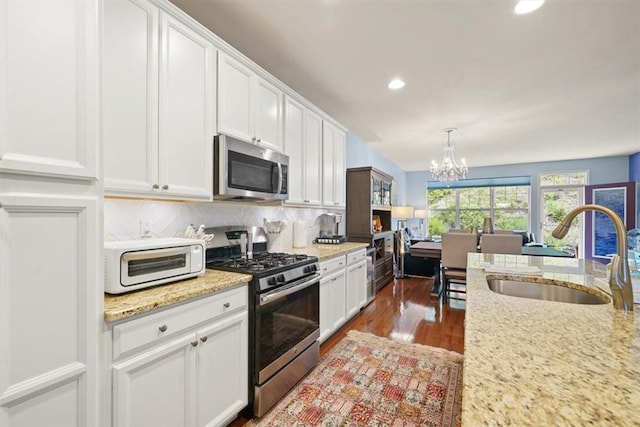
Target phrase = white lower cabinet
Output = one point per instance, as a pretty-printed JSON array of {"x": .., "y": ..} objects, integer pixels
[
  {"x": 156, "y": 387},
  {"x": 185, "y": 366},
  {"x": 221, "y": 368},
  {"x": 356, "y": 281},
  {"x": 333, "y": 311}
]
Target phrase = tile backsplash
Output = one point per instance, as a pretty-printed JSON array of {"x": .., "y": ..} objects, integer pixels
[{"x": 125, "y": 219}]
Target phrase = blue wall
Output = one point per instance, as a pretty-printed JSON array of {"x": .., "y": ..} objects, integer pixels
[
  {"x": 634, "y": 167},
  {"x": 411, "y": 186},
  {"x": 359, "y": 153},
  {"x": 601, "y": 171}
]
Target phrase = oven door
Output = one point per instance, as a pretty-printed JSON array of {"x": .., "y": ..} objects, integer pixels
[
  {"x": 287, "y": 322},
  {"x": 249, "y": 171}
]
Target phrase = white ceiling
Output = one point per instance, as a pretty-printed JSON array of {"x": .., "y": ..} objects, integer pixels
[{"x": 560, "y": 83}]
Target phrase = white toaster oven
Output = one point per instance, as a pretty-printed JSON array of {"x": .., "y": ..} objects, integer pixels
[{"x": 137, "y": 264}]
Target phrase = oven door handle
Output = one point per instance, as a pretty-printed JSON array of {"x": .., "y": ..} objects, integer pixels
[{"x": 289, "y": 289}]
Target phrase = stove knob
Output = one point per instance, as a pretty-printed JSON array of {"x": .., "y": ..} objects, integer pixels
[
  {"x": 271, "y": 281},
  {"x": 280, "y": 278}
]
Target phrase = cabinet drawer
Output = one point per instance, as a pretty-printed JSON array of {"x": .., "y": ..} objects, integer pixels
[
  {"x": 136, "y": 333},
  {"x": 333, "y": 264},
  {"x": 357, "y": 256}
]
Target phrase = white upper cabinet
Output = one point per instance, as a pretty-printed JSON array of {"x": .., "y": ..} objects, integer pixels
[
  {"x": 313, "y": 158},
  {"x": 333, "y": 166},
  {"x": 303, "y": 145},
  {"x": 249, "y": 107},
  {"x": 187, "y": 111},
  {"x": 49, "y": 122},
  {"x": 235, "y": 115},
  {"x": 130, "y": 96},
  {"x": 294, "y": 148},
  {"x": 159, "y": 110}
]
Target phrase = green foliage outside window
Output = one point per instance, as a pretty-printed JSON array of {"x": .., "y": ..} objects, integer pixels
[{"x": 467, "y": 207}]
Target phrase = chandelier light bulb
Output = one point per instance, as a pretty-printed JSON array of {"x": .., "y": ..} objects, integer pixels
[{"x": 449, "y": 169}]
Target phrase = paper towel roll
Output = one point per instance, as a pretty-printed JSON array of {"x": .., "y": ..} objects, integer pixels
[{"x": 299, "y": 234}]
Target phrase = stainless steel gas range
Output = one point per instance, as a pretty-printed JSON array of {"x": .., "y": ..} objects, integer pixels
[{"x": 283, "y": 310}]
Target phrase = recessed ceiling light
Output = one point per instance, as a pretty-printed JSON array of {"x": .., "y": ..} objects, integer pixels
[
  {"x": 396, "y": 84},
  {"x": 527, "y": 6}
]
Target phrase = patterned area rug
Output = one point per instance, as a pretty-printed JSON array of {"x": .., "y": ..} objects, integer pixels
[{"x": 372, "y": 381}]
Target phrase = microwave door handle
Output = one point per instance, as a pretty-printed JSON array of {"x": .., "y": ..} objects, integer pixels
[
  {"x": 276, "y": 177},
  {"x": 279, "y": 178}
]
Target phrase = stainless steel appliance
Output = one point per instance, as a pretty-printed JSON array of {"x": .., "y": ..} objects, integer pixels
[
  {"x": 284, "y": 311},
  {"x": 245, "y": 171},
  {"x": 330, "y": 229},
  {"x": 138, "y": 264}
]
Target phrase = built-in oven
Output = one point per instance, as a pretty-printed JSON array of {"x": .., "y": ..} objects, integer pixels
[
  {"x": 248, "y": 171},
  {"x": 287, "y": 327},
  {"x": 284, "y": 311}
]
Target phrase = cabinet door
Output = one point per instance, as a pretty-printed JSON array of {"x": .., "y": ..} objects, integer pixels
[
  {"x": 222, "y": 370},
  {"x": 187, "y": 111},
  {"x": 49, "y": 77},
  {"x": 294, "y": 136},
  {"x": 268, "y": 114},
  {"x": 130, "y": 96},
  {"x": 352, "y": 306},
  {"x": 326, "y": 309},
  {"x": 339, "y": 299},
  {"x": 328, "y": 179},
  {"x": 312, "y": 158},
  {"x": 49, "y": 284},
  {"x": 235, "y": 116},
  {"x": 361, "y": 283},
  {"x": 339, "y": 170},
  {"x": 157, "y": 387}
]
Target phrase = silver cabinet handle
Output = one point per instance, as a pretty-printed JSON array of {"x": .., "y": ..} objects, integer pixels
[
  {"x": 155, "y": 186},
  {"x": 165, "y": 187},
  {"x": 194, "y": 343},
  {"x": 203, "y": 339},
  {"x": 163, "y": 328},
  {"x": 226, "y": 305}
]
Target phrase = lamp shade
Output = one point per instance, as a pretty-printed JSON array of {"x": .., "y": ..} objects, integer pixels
[
  {"x": 402, "y": 212},
  {"x": 420, "y": 213}
]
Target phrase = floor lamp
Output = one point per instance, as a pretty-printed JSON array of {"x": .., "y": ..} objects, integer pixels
[{"x": 401, "y": 213}]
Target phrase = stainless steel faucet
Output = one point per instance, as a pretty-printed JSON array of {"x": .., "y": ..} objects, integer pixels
[{"x": 620, "y": 278}]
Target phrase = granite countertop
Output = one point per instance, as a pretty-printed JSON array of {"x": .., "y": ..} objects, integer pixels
[
  {"x": 122, "y": 306},
  {"x": 532, "y": 362},
  {"x": 323, "y": 251}
]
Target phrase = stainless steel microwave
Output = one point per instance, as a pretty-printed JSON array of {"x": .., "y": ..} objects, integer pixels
[{"x": 246, "y": 171}]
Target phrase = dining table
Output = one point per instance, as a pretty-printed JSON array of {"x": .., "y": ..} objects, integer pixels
[{"x": 433, "y": 250}]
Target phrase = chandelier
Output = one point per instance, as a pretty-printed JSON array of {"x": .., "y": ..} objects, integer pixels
[{"x": 449, "y": 169}]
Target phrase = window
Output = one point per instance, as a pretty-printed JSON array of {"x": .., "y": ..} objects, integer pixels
[
  {"x": 561, "y": 192},
  {"x": 506, "y": 201}
]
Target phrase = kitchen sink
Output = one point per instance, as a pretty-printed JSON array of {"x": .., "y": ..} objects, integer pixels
[{"x": 545, "y": 291}]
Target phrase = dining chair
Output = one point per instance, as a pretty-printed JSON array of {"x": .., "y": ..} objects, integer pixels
[
  {"x": 499, "y": 231},
  {"x": 501, "y": 244},
  {"x": 455, "y": 247}
]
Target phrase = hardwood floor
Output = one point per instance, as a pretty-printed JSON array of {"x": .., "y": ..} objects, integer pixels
[{"x": 404, "y": 311}]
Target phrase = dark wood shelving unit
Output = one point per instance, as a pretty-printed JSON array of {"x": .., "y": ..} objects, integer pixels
[{"x": 368, "y": 198}]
